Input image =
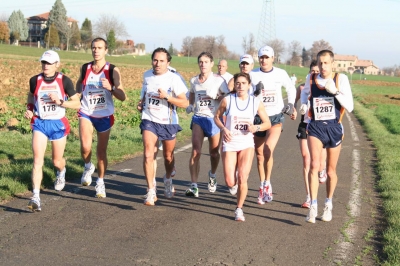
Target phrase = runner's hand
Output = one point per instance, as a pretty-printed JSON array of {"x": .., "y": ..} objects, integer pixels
[
  {"x": 227, "y": 135},
  {"x": 303, "y": 109},
  {"x": 28, "y": 114},
  {"x": 331, "y": 87},
  {"x": 106, "y": 84},
  {"x": 140, "y": 106},
  {"x": 288, "y": 109},
  {"x": 189, "y": 109},
  {"x": 259, "y": 88}
]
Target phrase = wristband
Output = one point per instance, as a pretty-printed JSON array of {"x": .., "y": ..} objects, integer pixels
[
  {"x": 61, "y": 102},
  {"x": 30, "y": 106},
  {"x": 166, "y": 98}
]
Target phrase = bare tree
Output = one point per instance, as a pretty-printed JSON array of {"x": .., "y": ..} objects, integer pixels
[
  {"x": 248, "y": 44},
  {"x": 319, "y": 46},
  {"x": 4, "y": 17},
  {"x": 186, "y": 46},
  {"x": 279, "y": 48},
  {"x": 106, "y": 23},
  {"x": 294, "y": 52},
  {"x": 221, "y": 46}
]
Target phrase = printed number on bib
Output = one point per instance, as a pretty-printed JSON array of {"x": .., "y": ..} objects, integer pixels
[
  {"x": 48, "y": 108},
  {"x": 324, "y": 108},
  {"x": 204, "y": 103},
  {"x": 97, "y": 100},
  {"x": 154, "y": 102},
  {"x": 240, "y": 125},
  {"x": 268, "y": 98}
]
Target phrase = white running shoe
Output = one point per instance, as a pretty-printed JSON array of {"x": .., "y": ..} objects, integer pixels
[
  {"x": 312, "y": 214},
  {"x": 59, "y": 184},
  {"x": 322, "y": 176},
  {"x": 268, "y": 193},
  {"x": 192, "y": 192},
  {"x": 86, "y": 179},
  {"x": 212, "y": 183},
  {"x": 100, "y": 191},
  {"x": 160, "y": 146},
  {"x": 327, "y": 215},
  {"x": 233, "y": 190},
  {"x": 169, "y": 188},
  {"x": 150, "y": 198},
  {"x": 260, "y": 199},
  {"x": 34, "y": 204},
  {"x": 173, "y": 172},
  {"x": 239, "y": 216}
]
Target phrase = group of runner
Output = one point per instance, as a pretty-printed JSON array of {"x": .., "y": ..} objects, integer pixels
[{"x": 244, "y": 112}]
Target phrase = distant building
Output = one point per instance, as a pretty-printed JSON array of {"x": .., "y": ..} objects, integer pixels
[
  {"x": 38, "y": 23},
  {"x": 344, "y": 62}
]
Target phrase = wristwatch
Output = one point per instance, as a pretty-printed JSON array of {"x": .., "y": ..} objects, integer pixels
[
  {"x": 61, "y": 102},
  {"x": 166, "y": 97},
  {"x": 112, "y": 89},
  {"x": 258, "y": 128}
]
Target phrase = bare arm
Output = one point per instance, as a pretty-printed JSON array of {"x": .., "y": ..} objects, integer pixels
[
  {"x": 217, "y": 119},
  {"x": 29, "y": 106},
  {"x": 266, "y": 124},
  {"x": 118, "y": 92},
  {"x": 178, "y": 101},
  {"x": 191, "y": 98},
  {"x": 78, "y": 86}
]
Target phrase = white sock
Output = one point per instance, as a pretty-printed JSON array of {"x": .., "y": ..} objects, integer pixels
[
  {"x": 36, "y": 192},
  {"x": 266, "y": 183},
  {"x": 168, "y": 179},
  {"x": 262, "y": 184},
  {"x": 212, "y": 175},
  {"x": 88, "y": 165},
  {"x": 100, "y": 181},
  {"x": 194, "y": 185},
  {"x": 152, "y": 190}
]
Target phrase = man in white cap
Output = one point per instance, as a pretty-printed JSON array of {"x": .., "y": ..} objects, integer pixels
[
  {"x": 222, "y": 70},
  {"x": 267, "y": 82},
  {"x": 47, "y": 99},
  {"x": 246, "y": 64}
]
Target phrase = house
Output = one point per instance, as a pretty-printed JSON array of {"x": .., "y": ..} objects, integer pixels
[
  {"x": 344, "y": 62},
  {"x": 38, "y": 23}
]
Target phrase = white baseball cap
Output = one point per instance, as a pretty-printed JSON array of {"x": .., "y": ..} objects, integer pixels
[
  {"x": 50, "y": 56},
  {"x": 246, "y": 58},
  {"x": 266, "y": 50}
]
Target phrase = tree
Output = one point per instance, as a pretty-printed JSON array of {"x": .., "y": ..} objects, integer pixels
[
  {"x": 76, "y": 34},
  {"x": 248, "y": 45},
  {"x": 106, "y": 22},
  {"x": 4, "y": 32},
  {"x": 319, "y": 46},
  {"x": 86, "y": 33},
  {"x": 294, "y": 50},
  {"x": 52, "y": 37},
  {"x": 186, "y": 46},
  {"x": 279, "y": 48},
  {"x": 111, "y": 41},
  {"x": 18, "y": 26},
  {"x": 305, "y": 57},
  {"x": 171, "y": 49},
  {"x": 58, "y": 17}
]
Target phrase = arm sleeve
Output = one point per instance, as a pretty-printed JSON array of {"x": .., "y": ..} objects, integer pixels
[
  {"x": 345, "y": 96},
  {"x": 179, "y": 86},
  {"x": 32, "y": 84},
  {"x": 306, "y": 91},
  {"x": 224, "y": 88},
  {"x": 290, "y": 88},
  {"x": 68, "y": 86}
]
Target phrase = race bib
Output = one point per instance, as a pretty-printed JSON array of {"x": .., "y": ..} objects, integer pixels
[
  {"x": 205, "y": 104},
  {"x": 97, "y": 100},
  {"x": 47, "y": 107},
  {"x": 324, "y": 108},
  {"x": 269, "y": 98},
  {"x": 153, "y": 102},
  {"x": 240, "y": 125}
]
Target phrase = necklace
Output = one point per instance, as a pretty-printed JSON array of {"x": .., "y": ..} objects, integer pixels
[{"x": 248, "y": 101}]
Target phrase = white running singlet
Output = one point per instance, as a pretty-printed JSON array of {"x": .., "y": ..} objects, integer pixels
[
  {"x": 156, "y": 109},
  {"x": 205, "y": 105}
]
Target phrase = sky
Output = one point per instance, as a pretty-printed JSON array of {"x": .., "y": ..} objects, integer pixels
[{"x": 365, "y": 28}]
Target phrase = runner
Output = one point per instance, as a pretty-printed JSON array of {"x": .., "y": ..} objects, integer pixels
[
  {"x": 164, "y": 91},
  {"x": 47, "y": 99},
  {"x": 267, "y": 82},
  {"x": 246, "y": 64},
  {"x": 222, "y": 68},
  {"x": 302, "y": 137},
  {"x": 206, "y": 90},
  {"x": 98, "y": 82},
  {"x": 293, "y": 79},
  {"x": 329, "y": 95},
  {"x": 238, "y": 144}
]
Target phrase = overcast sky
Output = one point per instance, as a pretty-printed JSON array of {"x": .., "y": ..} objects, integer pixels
[{"x": 366, "y": 28}]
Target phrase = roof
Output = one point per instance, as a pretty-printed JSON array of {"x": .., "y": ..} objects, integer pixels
[
  {"x": 45, "y": 17},
  {"x": 340, "y": 57}
]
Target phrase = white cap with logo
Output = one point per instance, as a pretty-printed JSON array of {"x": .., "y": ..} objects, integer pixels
[
  {"x": 266, "y": 50},
  {"x": 246, "y": 58},
  {"x": 50, "y": 57}
]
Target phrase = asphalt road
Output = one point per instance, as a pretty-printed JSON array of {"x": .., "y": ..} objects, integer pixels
[{"x": 75, "y": 228}]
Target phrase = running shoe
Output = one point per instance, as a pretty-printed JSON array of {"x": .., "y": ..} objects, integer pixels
[
  {"x": 173, "y": 172},
  {"x": 327, "y": 215},
  {"x": 192, "y": 192},
  {"x": 322, "y": 176},
  {"x": 160, "y": 146},
  {"x": 212, "y": 183},
  {"x": 239, "y": 216},
  {"x": 100, "y": 191},
  {"x": 233, "y": 190},
  {"x": 306, "y": 204},
  {"x": 86, "y": 179},
  {"x": 150, "y": 198},
  {"x": 260, "y": 199},
  {"x": 59, "y": 184},
  {"x": 34, "y": 204},
  {"x": 312, "y": 214},
  {"x": 169, "y": 188},
  {"x": 268, "y": 193}
]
